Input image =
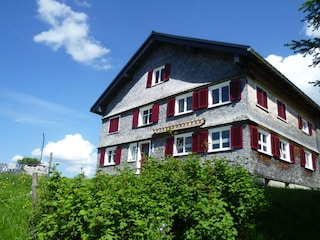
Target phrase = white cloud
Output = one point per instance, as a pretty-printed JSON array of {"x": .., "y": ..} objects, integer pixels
[
  {"x": 72, "y": 153},
  {"x": 82, "y": 3},
  {"x": 296, "y": 69},
  {"x": 16, "y": 158},
  {"x": 70, "y": 29}
]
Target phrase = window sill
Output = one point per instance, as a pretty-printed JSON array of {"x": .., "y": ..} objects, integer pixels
[
  {"x": 113, "y": 133},
  {"x": 263, "y": 108},
  {"x": 219, "y": 150},
  {"x": 218, "y": 104},
  {"x": 109, "y": 164},
  {"x": 285, "y": 160},
  {"x": 131, "y": 161},
  {"x": 310, "y": 169},
  {"x": 282, "y": 119},
  {"x": 265, "y": 153}
]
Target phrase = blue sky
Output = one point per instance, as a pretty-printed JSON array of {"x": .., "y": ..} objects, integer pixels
[{"x": 57, "y": 57}]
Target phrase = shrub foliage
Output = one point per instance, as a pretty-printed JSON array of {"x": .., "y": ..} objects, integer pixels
[{"x": 170, "y": 199}]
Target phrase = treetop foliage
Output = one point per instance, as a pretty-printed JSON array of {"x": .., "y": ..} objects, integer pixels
[
  {"x": 170, "y": 199},
  {"x": 29, "y": 160}
]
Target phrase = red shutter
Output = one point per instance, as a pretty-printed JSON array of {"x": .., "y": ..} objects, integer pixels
[
  {"x": 236, "y": 136},
  {"x": 117, "y": 159},
  {"x": 292, "y": 157},
  {"x": 281, "y": 110},
  {"x": 259, "y": 96},
  {"x": 195, "y": 141},
  {"x": 169, "y": 146},
  {"x": 314, "y": 160},
  {"x": 203, "y": 98},
  {"x": 275, "y": 145},
  {"x": 114, "y": 125},
  {"x": 235, "y": 90},
  {"x": 155, "y": 113},
  {"x": 262, "y": 98},
  {"x": 167, "y": 70},
  {"x": 102, "y": 155},
  {"x": 299, "y": 122},
  {"x": 254, "y": 137},
  {"x": 302, "y": 157},
  {"x": 170, "y": 107},
  {"x": 195, "y": 100},
  {"x": 265, "y": 99},
  {"x": 135, "y": 118},
  {"x": 310, "y": 128},
  {"x": 149, "y": 78},
  {"x": 203, "y": 141}
]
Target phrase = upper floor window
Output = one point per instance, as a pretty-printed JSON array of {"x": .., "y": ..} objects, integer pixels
[
  {"x": 219, "y": 94},
  {"x": 262, "y": 98},
  {"x": 145, "y": 115},
  {"x": 304, "y": 125},
  {"x": 114, "y": 124},
  {"x": 158, "y": 75},
  {"x": 183, "y": 104},
  {"x": 281, "y": 110}
]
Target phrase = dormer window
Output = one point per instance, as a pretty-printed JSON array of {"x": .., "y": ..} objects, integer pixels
[{"x": 158, "y": 75}]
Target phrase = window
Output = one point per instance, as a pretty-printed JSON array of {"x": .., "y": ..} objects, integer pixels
[
  {"x": 262, "y": 98},
  {"x": 184, "y": 104},
  {"x": 112, "y": 156},
  {"x": 307, "y": 159},
  {"x": 219, "y": 94},
  {"x": 304, "y": 125},
  {"x": 132, "y": 152},
  {"x": 158, "y": 75},
  {"x": 114, "y": 124},
  {"x": 145, "y": 116},
  {"x": 260, "y": 140},
  {"x": 281, "y": 110},
  {"x": 285, "y": 151},
  {"x": 183, "y": 144}
]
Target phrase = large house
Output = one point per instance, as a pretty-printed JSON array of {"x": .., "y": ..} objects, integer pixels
[{"x": 179, "y": 95}]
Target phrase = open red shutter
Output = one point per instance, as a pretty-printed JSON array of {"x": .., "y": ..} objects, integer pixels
[
  {"x": 149, "y": 78},
  {"x": 292, "y": 157},
  {"x": 310, "y": 128},
  {"x": 265, "y": 99},
  {"x": 299, "y": 122},
  {"x": 275, "y": 145},
  {"x": 195, "y": 100},
  {"x": 203, "y": 141},
  {"x": 281, "y": 110},
  {"x": 135, "y": 118},
  {"x": 167, "y": 69},
  {"x": 102, "y": 155},
  {"x": 169, "y": 146},
  {"x": 170, "y": 107},
  {"x": 254, "y": 137},
  {"x": 195, "y": 142},
  {"x": 314, "y": 160},
  {"x": 302, "y": 157},
  {"x": 203, "y": 98},
  {"x": 259, "y": 96},
  {"x": 155, "y": 113},
  {"x": 118, "y": 156},
  {"x": 235, "y": 90},
  {"x": 236, "y": 136}
]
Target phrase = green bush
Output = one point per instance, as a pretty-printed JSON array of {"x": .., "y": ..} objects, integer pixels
[{"x": 170, "y": 199}]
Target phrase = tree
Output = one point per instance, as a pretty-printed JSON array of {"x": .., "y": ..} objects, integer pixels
[
  {"x": 309, "y": 46},
  {"x": 29, "y": 160},
  {"x": 170, "y": 199}
]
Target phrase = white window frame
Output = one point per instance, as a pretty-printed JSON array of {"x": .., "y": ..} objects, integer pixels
[
  {"x": 141, "y": 121},
  {"x": 175, "y": 147},
  {"x": 183, "y": 98},
  {"x": 309, "y": 162},
  {"x": 284, "y": 150},
  {"x": 161, "y": 72},
  {"x": 110, "y": 156},
  {"x": 305, "y": 125},
  {"x": 264, "y": 142},
  {"x": 221, "y": 140},
  {"x": 219, "y": 88},
  {"x": 133, "y": 150}
]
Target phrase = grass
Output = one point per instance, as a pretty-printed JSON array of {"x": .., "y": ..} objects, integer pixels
[
  {"x": 292, "y": 214},
  {"x": 15, "y": 206}
]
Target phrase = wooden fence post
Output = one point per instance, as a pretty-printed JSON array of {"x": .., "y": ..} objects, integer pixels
[{"x": 34, "y": 189}]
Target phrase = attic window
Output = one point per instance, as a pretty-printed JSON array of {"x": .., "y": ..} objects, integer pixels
[{"x": 158, "y": 75}]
